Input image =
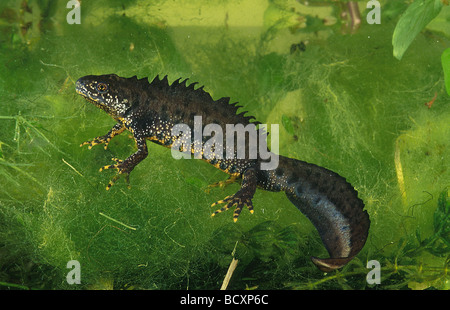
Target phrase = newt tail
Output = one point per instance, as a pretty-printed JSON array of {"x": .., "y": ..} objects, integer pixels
[
  {"x": 331, "y": 204},
  {"x": 151, "y": 111}
]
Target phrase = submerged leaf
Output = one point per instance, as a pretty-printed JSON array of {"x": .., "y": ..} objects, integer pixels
[
  {"x": 416, "y": 17},
  {"x": 287, "y": 124},
  {"x": 442, "y": 215},
  {"x": 445, "y": 59}
]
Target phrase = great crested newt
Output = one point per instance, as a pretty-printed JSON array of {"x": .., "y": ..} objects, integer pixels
[{"x": 150, "y": 110}]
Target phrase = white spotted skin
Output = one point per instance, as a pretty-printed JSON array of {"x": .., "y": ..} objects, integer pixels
[{"x": 150, "y": 111}]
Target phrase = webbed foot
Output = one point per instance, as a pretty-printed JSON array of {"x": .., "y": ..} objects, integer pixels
[
  {"x": 240, "y": 199},
  {"x": 122, "y": 169}
]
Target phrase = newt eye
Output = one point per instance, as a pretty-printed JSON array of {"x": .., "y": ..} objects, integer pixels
[{"x": 102, "y": 88}]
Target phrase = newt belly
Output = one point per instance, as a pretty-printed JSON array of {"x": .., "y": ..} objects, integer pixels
[{"x": 152, "y": 111}]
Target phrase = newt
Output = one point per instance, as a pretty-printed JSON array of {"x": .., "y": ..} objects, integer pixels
[{"x": 150, "y": 110}]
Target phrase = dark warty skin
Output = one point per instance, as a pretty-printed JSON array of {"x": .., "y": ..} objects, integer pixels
[{"x": 151, "y": 110}]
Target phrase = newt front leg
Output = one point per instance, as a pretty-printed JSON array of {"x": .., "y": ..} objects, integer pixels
[
  {"x": 116, "y": 130},
  {"x": 126, "y": 166}
]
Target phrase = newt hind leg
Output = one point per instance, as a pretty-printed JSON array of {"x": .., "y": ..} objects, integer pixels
[
  {"x": 222, "y": 184},
  {"x": 121, "y": 170},
  {"x": 242, "y": 198}
]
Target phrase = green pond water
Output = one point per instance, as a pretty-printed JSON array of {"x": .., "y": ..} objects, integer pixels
[{"x": 340, "y": 97}]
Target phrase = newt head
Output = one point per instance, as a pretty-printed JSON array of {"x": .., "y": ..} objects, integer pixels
[{"x": 110, "y": 93}]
